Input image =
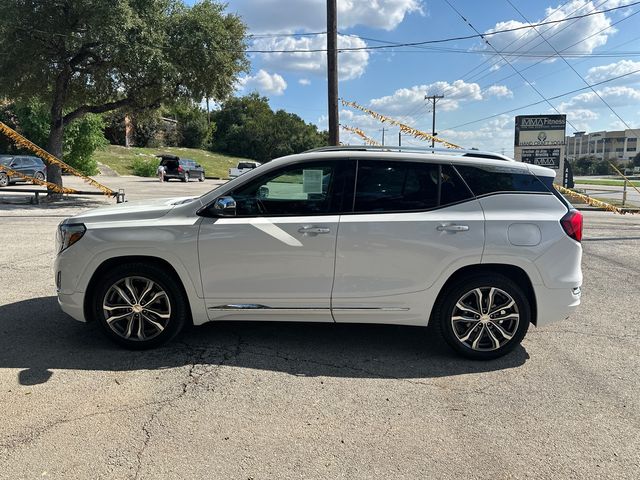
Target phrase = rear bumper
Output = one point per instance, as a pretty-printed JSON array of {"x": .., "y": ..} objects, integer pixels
[{"x": 555, "y": 304}]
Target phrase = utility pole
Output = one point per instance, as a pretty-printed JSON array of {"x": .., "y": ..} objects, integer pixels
[
  {"x": 434, "y": 99},
  {"x": 332, "y": 71},
  {"x": 383, "y": 130},
  {"x": 400, "y": 138}
]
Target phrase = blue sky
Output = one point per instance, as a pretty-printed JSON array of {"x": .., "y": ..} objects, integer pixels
[{"x": 475, "y": 81}]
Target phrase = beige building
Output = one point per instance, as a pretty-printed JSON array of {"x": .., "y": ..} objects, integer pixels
[{"x": 619, "y": 145}]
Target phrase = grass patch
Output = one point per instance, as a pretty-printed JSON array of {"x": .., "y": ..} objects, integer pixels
[
  {"x": 616, "y": 202},
  {"x": 123, "y": 160},
  {"x": 605, "y": 182}
]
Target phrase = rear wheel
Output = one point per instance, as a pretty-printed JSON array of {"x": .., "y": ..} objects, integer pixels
[
  {"x": 39, "y": 176},
  {"x": 201, "y": 178},
  {"x": 484, "y": 316},
  {"x": 140, "y": 306},
  {"x": 4, "y": 180}
]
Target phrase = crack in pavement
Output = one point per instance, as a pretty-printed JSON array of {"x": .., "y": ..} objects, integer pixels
[{"x": 197, "y": 357}]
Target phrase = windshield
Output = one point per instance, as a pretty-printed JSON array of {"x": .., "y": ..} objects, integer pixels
[{"x": 5, "y": 160}]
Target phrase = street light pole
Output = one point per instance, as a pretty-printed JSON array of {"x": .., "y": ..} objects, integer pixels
[{"x": 434, "y": 99}]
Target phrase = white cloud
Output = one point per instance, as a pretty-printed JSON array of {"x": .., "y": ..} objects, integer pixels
[
  {"x": 605, "y": 72},
  {"x": 264, "y": 82},
  {"x": 495, "y": 135},
  {"x": 562, "y": 35},
  {"x": 615, "y": 96},
  {"x": 409, "y": 99},
  {"x": 581, "y": 118},
  {"x": 309, "y": 15},
  {"x": 351, "y": 64},
  {"x": 497, "y": 91},
  {"x": 304, "y": 81}
]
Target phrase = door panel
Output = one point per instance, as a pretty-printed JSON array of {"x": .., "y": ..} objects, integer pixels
[
  {"x": 386, "y": 263},
  {"x": 273, "y": 262},
  {"x": 276, "y": 259}
]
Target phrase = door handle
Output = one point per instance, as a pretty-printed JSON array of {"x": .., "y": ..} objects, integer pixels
[
  {"x": 452, "y": 228},
  {"x": 314, "y": 230}
]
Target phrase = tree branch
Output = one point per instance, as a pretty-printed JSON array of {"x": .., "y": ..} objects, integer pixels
[{"x": 105, "y": 107}]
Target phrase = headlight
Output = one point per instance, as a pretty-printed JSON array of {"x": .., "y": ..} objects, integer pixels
[{"x": 68, "y": 234}]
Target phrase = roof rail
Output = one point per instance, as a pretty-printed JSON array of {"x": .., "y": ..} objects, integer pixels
[{"x": 425, "y": 150}]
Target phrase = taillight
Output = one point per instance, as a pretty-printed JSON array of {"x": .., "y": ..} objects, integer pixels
[
  {"x": 572, "y": 224},
  {"x": 179, "y": 169}
]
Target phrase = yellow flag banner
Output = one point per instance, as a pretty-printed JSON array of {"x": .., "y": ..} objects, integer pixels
[
  {"x": 589, "y": 200},
  {"x": 51, "y": 186},
  {"x": 625, "y": 178},
  {"x": 361, "y": 134},
  {"x": 414, "y": 132},
  {"x": 51, "y": 160}
]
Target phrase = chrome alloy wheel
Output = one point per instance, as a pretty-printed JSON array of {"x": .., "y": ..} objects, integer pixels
[
  {"x": 136, "y": 308},
  {"x": 485, "y": 318}
]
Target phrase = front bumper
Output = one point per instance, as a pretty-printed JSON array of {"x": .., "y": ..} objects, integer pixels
[{"x": 73, "y": 305}]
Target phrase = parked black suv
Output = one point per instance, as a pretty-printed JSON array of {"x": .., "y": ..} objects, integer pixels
[
  {"x": 181, "y": 168},
  {"x": 25, "y": 164}
]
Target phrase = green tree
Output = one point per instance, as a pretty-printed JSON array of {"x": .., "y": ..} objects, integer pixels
[
  {"x": 94, "y": 56},
  {"x": 192, "y": 124},
  {"x": 82, "y": 138},
  {"x": 248, "y": 127}
]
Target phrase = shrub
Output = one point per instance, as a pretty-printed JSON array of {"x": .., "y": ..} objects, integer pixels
[{"x": 145, "y": 167}]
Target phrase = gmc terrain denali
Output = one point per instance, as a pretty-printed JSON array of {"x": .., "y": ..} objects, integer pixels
[{"x": 476, "y": 244}]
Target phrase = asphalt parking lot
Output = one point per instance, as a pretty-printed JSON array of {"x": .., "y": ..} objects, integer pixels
[{"x": 264, "y": 401}]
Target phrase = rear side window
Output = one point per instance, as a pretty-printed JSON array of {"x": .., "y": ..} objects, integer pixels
[
  {"x": 405, "y": 186},
  {"x": 494, "y": 180},
  {"x": 242, "y": 165}
]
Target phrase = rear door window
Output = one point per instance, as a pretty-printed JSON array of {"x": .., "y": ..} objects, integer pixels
[
  {"x": 488, "y": 180},
  {"x": 392, "y": 186}
]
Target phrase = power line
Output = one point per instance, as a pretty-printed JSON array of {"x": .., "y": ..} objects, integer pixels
[
  {"x": 442, "y": 40},
  {"x": 564, "y": 49},
  {"x": 543, "y": 101},
  {"x": 518, "y": 39},
  {"x": 490, "y": 67},
  {"x": 276, "y": 35},
  {"x": 574, "y": 70},
  {"x": 510, "y": 64}
]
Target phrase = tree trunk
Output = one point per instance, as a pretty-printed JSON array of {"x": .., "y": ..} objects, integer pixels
[
  {"x": 54, "y": 147},
  {"x": 56, "y": 135}
]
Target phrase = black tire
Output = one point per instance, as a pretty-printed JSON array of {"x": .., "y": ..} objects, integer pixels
[
  {"x": 186, "y": 177},
  {"x": 4, "y": 179},
  {"x": 516, "y": 326},
  {"x": 201, "y": 177},
  {"x": 39, "y": 176},
  {"x": 178, "y": 310}
]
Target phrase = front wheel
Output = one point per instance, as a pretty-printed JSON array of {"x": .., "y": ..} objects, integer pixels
[
  {"x": 140, "y": 306},
  {"x": 484, "y": 316},
  {"x": 4, "y": 180},
  {"x": 201, "y": 178}
]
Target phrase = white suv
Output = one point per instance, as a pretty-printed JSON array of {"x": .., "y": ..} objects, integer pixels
[{"x": 476, "y": 244}]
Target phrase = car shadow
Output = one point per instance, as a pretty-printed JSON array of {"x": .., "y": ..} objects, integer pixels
[{"x": 37, "y": 337}]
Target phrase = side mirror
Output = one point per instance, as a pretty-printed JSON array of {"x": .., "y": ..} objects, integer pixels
[{"x": 224, "y": 207}]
